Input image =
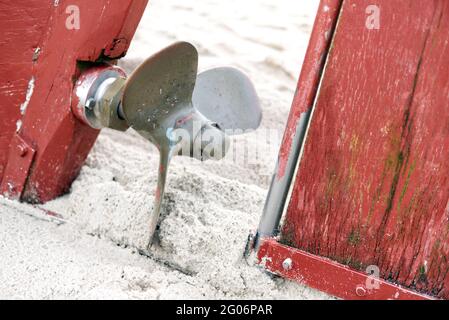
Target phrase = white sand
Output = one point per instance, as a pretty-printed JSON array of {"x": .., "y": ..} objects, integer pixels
[{"x": 210, "y": 208}]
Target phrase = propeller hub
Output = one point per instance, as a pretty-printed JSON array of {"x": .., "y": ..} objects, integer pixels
[{"x": 97, "y": 96}]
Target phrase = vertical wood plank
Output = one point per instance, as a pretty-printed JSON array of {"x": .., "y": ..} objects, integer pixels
[{"x": 372, "y": 186}]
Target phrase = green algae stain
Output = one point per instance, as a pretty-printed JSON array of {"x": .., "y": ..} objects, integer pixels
[
  {"x": 406, "y": 184},
  {"x": 354, "y": 238},
  {"x": 392, "y": 163},
  {"x": 422, "y": 277}
]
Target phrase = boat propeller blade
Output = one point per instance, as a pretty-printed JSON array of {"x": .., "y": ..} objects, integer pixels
[
  {"x": 227, "y": 96},
  {"x": 166, "y": 102}
]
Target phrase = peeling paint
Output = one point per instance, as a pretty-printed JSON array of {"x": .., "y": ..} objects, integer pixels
[
  {"x": 18, "y": 125},
  {"x": 36, "y": 54},
  {"x": 28, "y": 96}
]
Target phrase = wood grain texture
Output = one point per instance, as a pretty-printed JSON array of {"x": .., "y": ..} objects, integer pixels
[
  {"x": 22, "y": 24},
  {"x": 42, "y": 50},
  {"x": 309, "y": 77},
  {"x": 372, "y": 186}
]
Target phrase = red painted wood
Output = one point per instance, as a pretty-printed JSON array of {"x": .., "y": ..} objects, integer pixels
[
  {"x": 22, "y": 23},
  {"x": 326, "y": 275},
  {"x": 372, "y": 185},
  {"x": 17, "y": 169},
  {"x": 310, "y": 75},
  {"x": 62, "y": 142}
]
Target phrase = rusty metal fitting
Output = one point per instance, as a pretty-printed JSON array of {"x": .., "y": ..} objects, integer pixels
[{"x": 97, "y": 96}]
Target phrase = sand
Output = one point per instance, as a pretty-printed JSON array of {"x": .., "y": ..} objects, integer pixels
[{"x": 99, "y": 249}]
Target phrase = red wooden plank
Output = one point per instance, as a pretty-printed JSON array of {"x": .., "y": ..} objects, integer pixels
[
  {"x": 22, "y": 23},
  {"x": 61, "y": 142},
  {"x": 328, "y": 276},
  {"x": 19, "y": 162},
  {"x": 309, "y": 77},
  {"x": 289, "y": 153},
  {"x": 372, "y": 185}
]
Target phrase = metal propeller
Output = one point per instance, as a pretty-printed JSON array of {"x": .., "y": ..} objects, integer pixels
[
  {"x": 227, "y": 96},
  {"x": 166, "y": 102}
]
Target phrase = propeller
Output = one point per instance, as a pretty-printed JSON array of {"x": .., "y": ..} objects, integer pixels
[
  {"x": 167, "y": 103},
  {"x": 227, "y": 96}
]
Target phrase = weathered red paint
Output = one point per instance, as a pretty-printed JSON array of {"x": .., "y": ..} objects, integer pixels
[
  {"x": 21, "y": 156},
  {"x": 310, "y": 75},
  {"x": 41, "y": 53},
  {"x": 326, "y": 275},
  {"x": 372, "y": 184}
]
